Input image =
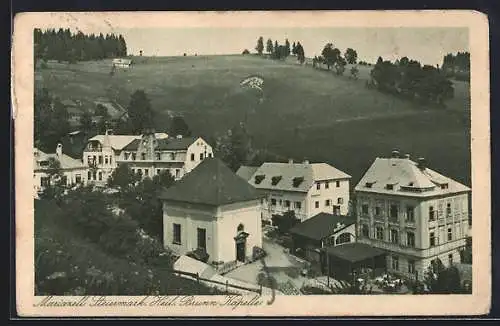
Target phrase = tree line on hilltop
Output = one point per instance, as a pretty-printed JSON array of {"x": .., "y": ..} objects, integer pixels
[
  {"x": 410, "y": 79},
  {"x": 64, "y": 46},
  {"x": 457, "y": 66},
  {"x": 281, "y": 51}
]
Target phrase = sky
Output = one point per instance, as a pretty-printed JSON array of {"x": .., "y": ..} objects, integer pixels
[{"x": 425, "y": 44}]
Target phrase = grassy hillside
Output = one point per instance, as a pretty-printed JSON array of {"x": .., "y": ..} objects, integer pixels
[{"x": 306, "y": 113}]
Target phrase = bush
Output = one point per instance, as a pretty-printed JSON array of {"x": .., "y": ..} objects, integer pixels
[
  {"x": 258, "y": 253},
  {"x": 245, "y": 51}
]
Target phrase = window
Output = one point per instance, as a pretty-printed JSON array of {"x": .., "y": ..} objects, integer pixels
[
  {"x": 100, "y": 176},
  {"x": 340, "y": 200},
  {"x": 146, "y": 172},
  {"x": 432, "y": 239},
  {"x": 281, "y": 202},
  {"x": 432, "y": 214},
  {"x": 316, "y": 204},
  {"x": 287, "y": 203},
  {"x": 275, "y": 180},
  {"x": 172, "y": 156},
  {"x": 202, "y": 238},
  {"x": 411, "y": 267},
  {"x": 192, "y": 157},
  {"x": 94, "y": 175},
  {"x": 177, "y": 173},
  {"x": 394, "y": 236},
  {"x": 158, "y": 171},
  {"x": 337, "y": 184},
  {"x": 450, "y": 234},
  {"x": 177, "y": 234},
  {"x": 273, "y": 201},
  {"x": 106, "y": 159},
  {"x": 89, "y": 175},
  {"x": 64, "y": 180},
  {"x": 327, "y": 185},
  {"x": 450, "y": 259},
  {"x": 201, "y": 157},
  {"x": 318, "y": 186},
  {"x": 378, "y": 211},
  {"x": 364, "y": 209},
  {"x": 410, "y": 214},
  {"x": 343, "y": 238},
  {"x": 240, "y": 228},
  {"x": 210, "y": 155},
  {"x": 95, "y": 159},
  {"x": 327, "y": 202},
  {"x": 44, "y": 181},
  {"x": 259, "y": 178},
  {"x": 298, "y": 205},
  {"x": 389, "y": 187},
  {"x": 365, "y": 231},
  {"x": 100, "y": 159},
  {"x": 110, "y": 159},
  {"x": 410, "y": 239},
  {"x": 126, "y": 155},
  {"x": 158, "y": 156},
  {"x": 394, "y": 212},
  {"x": 133, "y": 156},
  {"x": 395, "y": 263},
  {"x": 448, "y": 209},
  {"x": 379, "y": 233},
  {"x": 143, "y": 156},
  {"x": 336, "y": 209},
  {"x": 78, "y": 178}
]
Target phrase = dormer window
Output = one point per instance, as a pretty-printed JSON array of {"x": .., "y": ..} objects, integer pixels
[
  {"x": 389, "y": 186},
  {"x": 297, "y": 181},
  {"x": 275, "y": 180},
  {"x": 259, "y": 178},
  {"x": 410, "y": 184},
  {"x": 369, "y": 184},
  {"x": 444, "y": 186}
]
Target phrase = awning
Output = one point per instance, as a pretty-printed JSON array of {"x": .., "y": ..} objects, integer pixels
[{"x": 354, "y": 252}]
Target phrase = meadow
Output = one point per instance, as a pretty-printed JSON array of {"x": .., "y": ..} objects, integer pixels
[{"x": 304, "y": 112}]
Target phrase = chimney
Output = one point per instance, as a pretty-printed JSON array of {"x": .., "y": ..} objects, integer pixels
[
  {"x": 306, "y": 162},
  {"x": 35, "y": 152},
  {"x": 59, "y": 150},
  {"x": 421, "y": 163},
  {"x": 407, "y": 156},
  {"x": 395, "y": 153},
  {"x": 290, "y": 161},
  {"x": 179, "y": 137}
]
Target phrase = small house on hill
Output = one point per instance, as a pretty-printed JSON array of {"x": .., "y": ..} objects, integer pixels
[
  {"x": 122, "y": 63},
  {"x": 213, "y": 210}
]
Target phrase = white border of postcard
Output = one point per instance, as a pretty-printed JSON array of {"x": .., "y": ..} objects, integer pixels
[{"x": 336, "y": 305}]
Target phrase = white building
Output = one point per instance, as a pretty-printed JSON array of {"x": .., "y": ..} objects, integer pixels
[
  {"x": 306, "y": 188},
  {"x": 214, "y": 210},
  {"x": 413, "y": 213},
  {"x": 147, "y": 154},
  {"x": 72, "y": 171},
  {"x": 122, "y": 63}
]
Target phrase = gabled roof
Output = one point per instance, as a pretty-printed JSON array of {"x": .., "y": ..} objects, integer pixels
[
  {"x": 210, "y": 183},
  {"x": 246, "y": 172},
  {"x": 291, "y": 173},
  {"x": 406, "y": 179},
  {"x": 322, "y": 225},
  {"x": 117, "y": 142}
]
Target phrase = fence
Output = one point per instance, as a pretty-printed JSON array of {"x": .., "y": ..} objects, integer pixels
[{"x": 227, "y": 285}]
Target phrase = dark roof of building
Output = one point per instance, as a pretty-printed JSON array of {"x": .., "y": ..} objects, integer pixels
[
  {"x": 322, "y": 225},
  {"x": 210, "y": 183},
  {"x": 165, "y": 144},
  {"x": 354, "y": 252}
]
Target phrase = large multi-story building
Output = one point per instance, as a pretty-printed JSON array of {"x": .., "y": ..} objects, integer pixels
[
  {"x": 305, "y": 188},
  {"x": 72, "y": 171},
  {"x": 413, "y": 213},
  {"x": 148, "y": 154}
]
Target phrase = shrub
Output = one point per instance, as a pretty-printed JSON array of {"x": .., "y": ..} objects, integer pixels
[{"x": 258, "y": 253}]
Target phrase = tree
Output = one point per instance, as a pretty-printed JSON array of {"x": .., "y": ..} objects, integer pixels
[
  {"x": 269, "y": 46},
  {"x": 245, "y": 52},
  {"x": 260, "y": 45},
  {"x": 441, "y": 280},
  {"x": 179, "y": 127},
  {"x": 275, "y": 47},
  {"x": 234, "y": 148},
  {"x": 287, "y": 48},
  {"x": 122, "y": 178},
  {"x": 294, "y": 49},
  {"x": 330, "y": 55},
  {"x": 351, "y": 56},
  {"x": 354, "y": 72},
  {"x": 340, "y": 65},
  {"x": 285, "y": 222},
  {"x": 140, "y": 113},
  {"x": 299, "y": 51},
  {"x": 86, "y": 121}
]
